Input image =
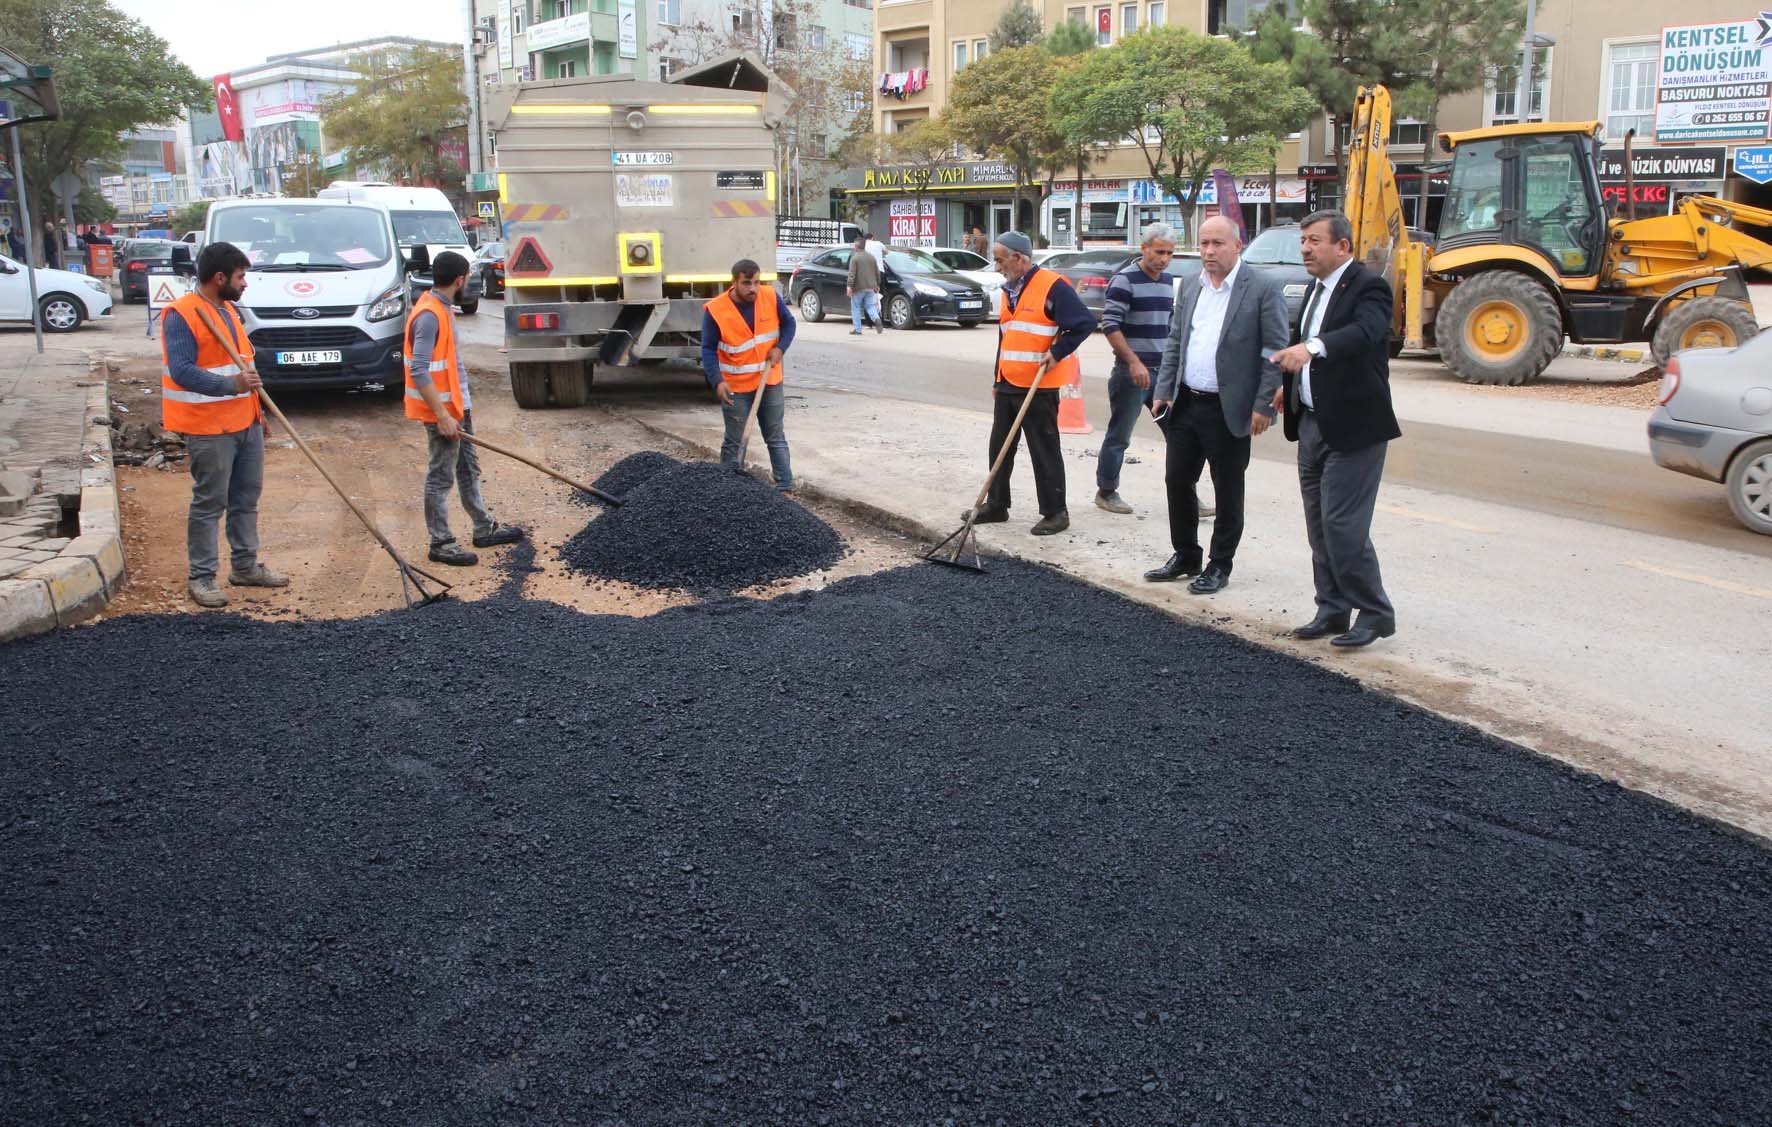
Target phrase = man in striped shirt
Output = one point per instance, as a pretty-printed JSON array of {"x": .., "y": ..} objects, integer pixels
[{"x": 1140, "y": 299}]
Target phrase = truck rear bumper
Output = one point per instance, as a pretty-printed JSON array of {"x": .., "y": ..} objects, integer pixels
[{"x": 583, "y": 329}]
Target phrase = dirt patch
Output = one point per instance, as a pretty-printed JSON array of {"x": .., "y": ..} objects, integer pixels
[{"x": 1637, "y": 389}]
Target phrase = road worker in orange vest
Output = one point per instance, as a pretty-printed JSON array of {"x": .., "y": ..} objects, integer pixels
[
  {"x": 744, "y": 333},
  {"x": 1041, "y": 325},
  {"x": 437, "y": 395},
  {"x": 213, "y": 402}
]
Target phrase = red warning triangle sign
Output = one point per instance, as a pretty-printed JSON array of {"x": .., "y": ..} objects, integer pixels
[
  {"x": 163, "y": 294},
  {"x": 527, "y": 260}
]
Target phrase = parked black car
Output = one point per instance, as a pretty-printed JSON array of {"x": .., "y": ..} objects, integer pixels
[
  {"x": 137, "y": 257},
  {"x": 489, "y": 263},
  {"x": 916, "y": 287},
  {"x": 1090, "y": 270},
  {"x": 1275, "y": 252}
]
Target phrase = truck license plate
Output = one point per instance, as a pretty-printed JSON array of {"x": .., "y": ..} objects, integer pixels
[{"x": 331, "y": 356}]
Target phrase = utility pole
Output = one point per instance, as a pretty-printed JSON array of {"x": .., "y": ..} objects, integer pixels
[{"x": 470, "y": 76}]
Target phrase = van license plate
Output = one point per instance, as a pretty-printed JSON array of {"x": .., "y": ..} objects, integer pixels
[
  {"x": 295, "y": 358},
  {"x": 972, "y": 305}
]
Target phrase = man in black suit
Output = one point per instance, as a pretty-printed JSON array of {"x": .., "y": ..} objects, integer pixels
[{"x": 1337, "y": 399}]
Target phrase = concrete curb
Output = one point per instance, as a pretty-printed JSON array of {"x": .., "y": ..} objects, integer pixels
[
  {"x": 89, "y": 569},
  {"x": 1634, "y": 355}
]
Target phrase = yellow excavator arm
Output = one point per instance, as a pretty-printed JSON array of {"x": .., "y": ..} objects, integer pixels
[{"x": 1375, "y": 209}]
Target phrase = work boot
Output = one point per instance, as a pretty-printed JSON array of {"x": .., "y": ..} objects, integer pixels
[
  {"x": 879, "y": 326},
  {"x": 1052, "y": 525},
  {"x": 257, "y": 576},
  {"x": 986, "y": 514},
  {"x": 205, "y": 593},
  {"x": 1110, "y": 500},
  {"x": 496, "y": 535},
  {"x": 453, "y": 554}
]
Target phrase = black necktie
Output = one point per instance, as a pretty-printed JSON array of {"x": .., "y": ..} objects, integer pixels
[{"x": 1310, "y": 307}]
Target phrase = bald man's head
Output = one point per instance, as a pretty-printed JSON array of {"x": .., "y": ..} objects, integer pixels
[{"x": 1219, "y": 247}]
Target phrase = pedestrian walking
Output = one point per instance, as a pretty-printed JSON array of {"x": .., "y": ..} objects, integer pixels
[
  {"x": 52, "y": 245},
  {"x": 744, "y": 334},
  {"x": 1337, "y": 399},
  {"x": 1215, "y": 392},
  {"x": 864, "y": 289},
  {"x": 438, "y": 396},
  {"x": 1041, "y": 325},
  {"x": 876, "y": 248},
  {"x": 1135, "y": 321},
  {"x": 213, "y": 403},
  {"x": 15, "y": 246},
  {"x": 978, "y": 244}
]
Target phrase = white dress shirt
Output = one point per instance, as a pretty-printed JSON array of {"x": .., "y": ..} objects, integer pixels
[
  {"x": 1200, "y": 365},
  {"x": 1309, "y": 332}
]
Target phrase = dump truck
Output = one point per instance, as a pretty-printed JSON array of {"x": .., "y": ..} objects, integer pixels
[
  {"x": 1527, "y": 254},
  {"x": 625, "y": 204}
]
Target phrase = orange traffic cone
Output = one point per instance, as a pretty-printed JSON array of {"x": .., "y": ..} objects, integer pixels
[{"x": 1072, "y": 419}]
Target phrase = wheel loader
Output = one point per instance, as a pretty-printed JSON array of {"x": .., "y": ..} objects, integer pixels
[{"x": 1528, "y": 255}]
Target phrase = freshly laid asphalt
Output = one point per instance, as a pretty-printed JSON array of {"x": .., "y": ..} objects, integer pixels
[{"x": 996, "y": 849}]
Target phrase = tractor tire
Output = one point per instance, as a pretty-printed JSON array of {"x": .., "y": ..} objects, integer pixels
[
  {"x": 570, "y": 381},
  {"x": 1703, "y": 322},
  {"x": 1499, "y": 327},
  {"x": 529, "y": 385}
]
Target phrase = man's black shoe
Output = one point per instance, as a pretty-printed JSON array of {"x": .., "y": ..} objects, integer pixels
[
  {"x": 500, "y": 534},
  {"x": 987, "y": 515},
  {"x": 1176, "y": 568},
  {"x": 453, "y": 554},
  {"x": 1214, "y": 579},
  {"x": 1326, "y": 623},
  {"x": 1052, "y": 525},
  {"x": 1369, "y": 629}
]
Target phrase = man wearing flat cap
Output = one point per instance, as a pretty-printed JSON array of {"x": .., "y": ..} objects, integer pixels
[{"x": 1042, "y": 324}]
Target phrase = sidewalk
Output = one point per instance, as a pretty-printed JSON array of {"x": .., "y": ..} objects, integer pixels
[
  {"x": 61, "y": 552},
  {"x": 1624, "y": 654}
]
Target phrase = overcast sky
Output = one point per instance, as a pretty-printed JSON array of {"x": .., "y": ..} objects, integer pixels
[{"x": 218, "y": 39}]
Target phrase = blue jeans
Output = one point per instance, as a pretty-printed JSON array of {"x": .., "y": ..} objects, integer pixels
[
  {"x": 866, "y": 299},
  {"x": 1125, "y": 401},
  {"x": 768, "y": 421}
]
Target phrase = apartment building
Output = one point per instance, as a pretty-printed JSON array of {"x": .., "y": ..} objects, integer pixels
[{"x": 529, "y": 40}]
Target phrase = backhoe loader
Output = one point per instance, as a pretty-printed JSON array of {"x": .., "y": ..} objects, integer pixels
[{"x": 1527, "y": 254}]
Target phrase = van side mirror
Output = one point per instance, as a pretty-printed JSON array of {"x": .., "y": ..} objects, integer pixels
[
  {"x": 181, "y": 254},
  {"x": 418, "y": 259}
]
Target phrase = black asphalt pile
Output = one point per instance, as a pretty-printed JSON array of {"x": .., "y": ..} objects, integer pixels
[
  {"x": 920, "y": 848},
  {"x": 702, "y": 527},
  {"x": 625, "y": 475}
]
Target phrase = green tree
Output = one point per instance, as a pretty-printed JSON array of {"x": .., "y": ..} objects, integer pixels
[
  {"x": 919, "y": 148},
  {"x": 1066, "y": 41},
  {"x": 112, "y": 75},
  {"x": 400, "y": 111},
  {"x": 1018, "y": 26},
  {"x": 997, "y": 106},
  {"x": 191, "y": 217},
  {"x": 1189, "y": 103},
  {"x": 1069, "y": 38}
]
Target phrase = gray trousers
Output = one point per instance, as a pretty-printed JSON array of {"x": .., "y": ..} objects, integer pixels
[
  {"x": 453, "y": 462},
  {"x": 1340, "y": 491},
  {"x": 227, "y": 475}
]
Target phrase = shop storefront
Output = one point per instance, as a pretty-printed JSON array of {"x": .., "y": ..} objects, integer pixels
[
  {"x": 1661, "y": 176},
  {"x": 1115, "y": 211},
  {"x": 937, "y": 205}
]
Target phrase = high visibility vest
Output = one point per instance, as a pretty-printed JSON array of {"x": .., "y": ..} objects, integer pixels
[
  {"x": 1025, "y": 335},
  {"x": 446, "y": 375},
  {"x": 187, "y": 412},
  {"x": 744, "y": 349}
]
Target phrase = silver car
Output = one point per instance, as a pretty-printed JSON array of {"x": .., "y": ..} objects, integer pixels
[{"x": 1715, "y": 422}]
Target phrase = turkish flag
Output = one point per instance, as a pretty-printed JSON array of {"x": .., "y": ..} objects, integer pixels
[
  {"x": 1104, "y": 21},
  {"x": 228, "y": 108}
]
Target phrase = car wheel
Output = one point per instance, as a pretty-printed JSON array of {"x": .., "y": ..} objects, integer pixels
[
  {"x": 469, "y": 308},
  {"x": 900, "y": 313},
  {"x": 61, "y": 313},
  {"x": 811, "y": 305},
  {"x": 1750, "y": 486}
]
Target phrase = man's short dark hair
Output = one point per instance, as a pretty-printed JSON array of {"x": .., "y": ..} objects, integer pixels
[
  {"x": 220, "y": 258},
  {"x": 447, "y": 267},
  {"x": 744, "y": 268},
  {"x": 1340, "y": 227}
]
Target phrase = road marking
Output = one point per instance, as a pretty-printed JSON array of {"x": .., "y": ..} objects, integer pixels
[
  {"x": 1429, "y": 518},
  {"x": 1702, "y": 580}
]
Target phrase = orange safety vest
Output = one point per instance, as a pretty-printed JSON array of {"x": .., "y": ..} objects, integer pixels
[
  {"x": 187, "y": 412},
  {"x": 1025, "y": 336},
  {"x": 744, "y": 350},
  {"x": 452, "y": 389}
]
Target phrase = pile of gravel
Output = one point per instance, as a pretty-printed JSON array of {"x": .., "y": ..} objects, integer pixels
[
  {"x": 700, "y": 526},
  {"x": 626, "y": 475},
  {"x": 922, "y": 847}
]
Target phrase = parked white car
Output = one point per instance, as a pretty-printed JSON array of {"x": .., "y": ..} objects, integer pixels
[
  {"x": 67, "y": 299},
  {"x": 974, "y": 268}
]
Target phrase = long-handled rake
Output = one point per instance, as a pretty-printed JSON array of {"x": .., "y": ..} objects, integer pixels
[
  {"x": 965, "y": 537},
  {"x": 409, "y": 574},
  {"x": 613, "y": 502}
]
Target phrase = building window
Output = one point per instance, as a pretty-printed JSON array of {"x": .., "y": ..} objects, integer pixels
[
  {"x": 566, "y": 68},
  {"x": 1228, "y": 17},
  {"x": 816, "y": 37},
  {"x": 1629, "y": 93},
  {"x": 858, "y": 46},
  {"x": 1077, "y": 15},
  {"x": 670, "y": 12},
  {"x": 980, "y": 48},
  {"x": 517, "y": 17},
  {"x": 1104, "y": 26},
  {"x": 960, "y": 55},
  {"x": 1406, "y": 132},
  {"x": 1128, "y": 19},
  {"x": 1154, "y": 16},
  {"x": 858, "y": 100},
  {"x": 1504, "y": 90}
]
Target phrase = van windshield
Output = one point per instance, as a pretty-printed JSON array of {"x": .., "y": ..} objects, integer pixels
[
  {"x": 323, "y": 236},
  {"x": 431, "y": 227}
]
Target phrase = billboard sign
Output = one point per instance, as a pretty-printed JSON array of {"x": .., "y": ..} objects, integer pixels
[{"x": 1714, "y": 82}]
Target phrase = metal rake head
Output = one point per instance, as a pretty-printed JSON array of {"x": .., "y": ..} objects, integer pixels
[{"x": 957, "y": 545}]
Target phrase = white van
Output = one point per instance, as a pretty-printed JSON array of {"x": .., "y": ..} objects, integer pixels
[
  {"x": 326, "y": 292},
  {"x": 422, "y": 217}
]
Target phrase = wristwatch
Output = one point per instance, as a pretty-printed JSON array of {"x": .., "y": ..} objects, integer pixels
[{"x": 1314, "y": 346}]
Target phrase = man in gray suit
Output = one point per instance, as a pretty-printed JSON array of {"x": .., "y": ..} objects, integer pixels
[{"x": 1214, "y": 392}]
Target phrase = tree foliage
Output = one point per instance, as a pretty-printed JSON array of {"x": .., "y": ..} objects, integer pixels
[
  {"x": 401, "y": 110},
  {"x": 112, "y": 75},
  {"x": 1018, "y": 26},
  {"x": 1069, "y": 38},
  {"x": 997, "y": 106},
  {"x": 1189, "y": 103},
  {"x": 192, "y": 217},
  {"x": 1461, "y": 42}
]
